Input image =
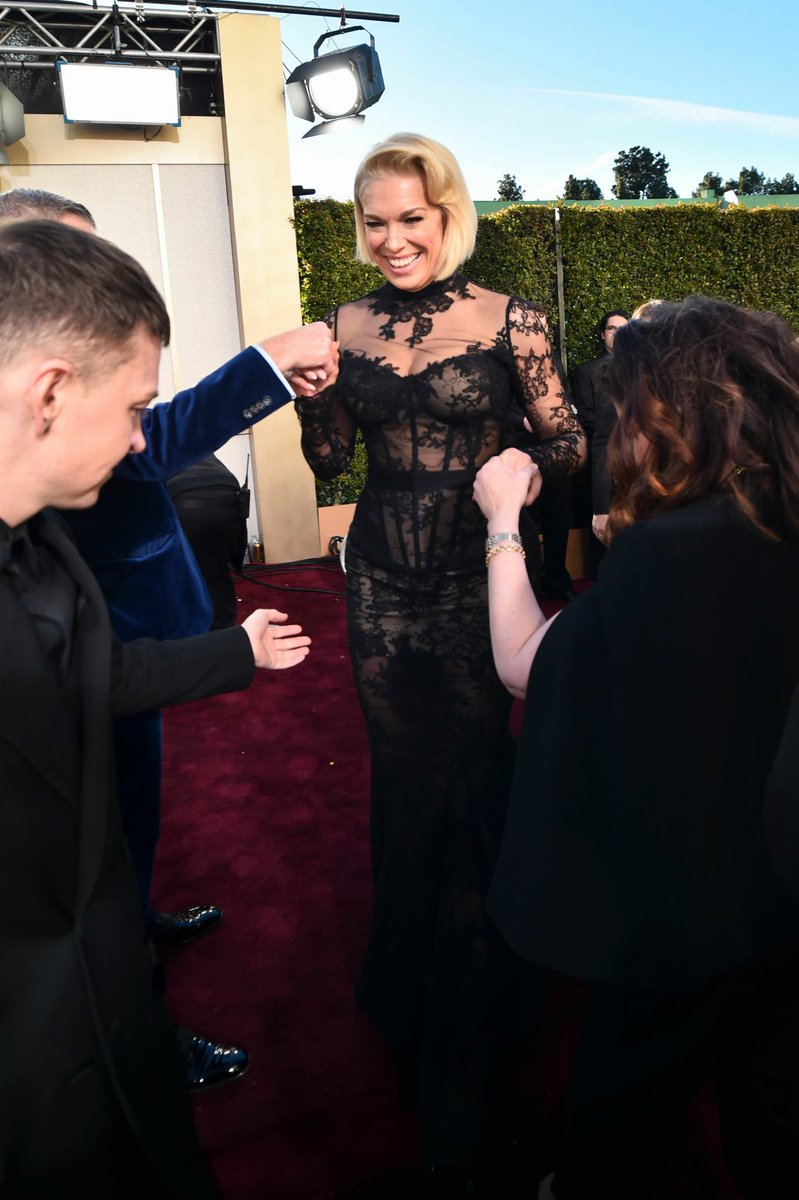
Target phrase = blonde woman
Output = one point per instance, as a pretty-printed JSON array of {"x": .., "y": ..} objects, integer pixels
[{"x": 430, "y": 365}]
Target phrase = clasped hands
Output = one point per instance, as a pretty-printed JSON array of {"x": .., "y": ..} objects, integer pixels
[
  {"x": 506, "y": 484},
  {"x": 307, "y": 356},
  {"x": 275, "y": 646}
]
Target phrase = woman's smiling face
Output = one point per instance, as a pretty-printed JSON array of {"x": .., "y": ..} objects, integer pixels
[{"x": 404, "y": 232}]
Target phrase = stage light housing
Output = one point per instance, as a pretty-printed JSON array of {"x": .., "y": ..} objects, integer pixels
[
  {"x": 337, "y": 86},
  {"x": 119, "y": 93},
  {"x": 12, "y": 121}
]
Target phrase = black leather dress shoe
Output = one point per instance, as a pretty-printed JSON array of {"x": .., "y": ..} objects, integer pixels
[
  {"x": 183, "y": 927},
  {"x": 209, "y": 1064}
]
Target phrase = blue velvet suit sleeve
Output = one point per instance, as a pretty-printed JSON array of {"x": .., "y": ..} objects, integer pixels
[{"x": 201, "y": 419}]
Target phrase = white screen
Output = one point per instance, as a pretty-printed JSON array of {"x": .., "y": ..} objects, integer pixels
[{"x": 118, "y": 94}]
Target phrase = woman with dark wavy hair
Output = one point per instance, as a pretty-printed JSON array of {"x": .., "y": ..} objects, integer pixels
[{"x": 635, "y": 854}]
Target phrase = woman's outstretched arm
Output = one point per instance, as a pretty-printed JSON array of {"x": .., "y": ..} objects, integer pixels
[{"x": 502, "y": 487}]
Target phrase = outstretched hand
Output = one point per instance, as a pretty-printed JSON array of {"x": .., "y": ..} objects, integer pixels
[
  {"x": 506, "y": 484},
  {"x": 274, "y": 645}
]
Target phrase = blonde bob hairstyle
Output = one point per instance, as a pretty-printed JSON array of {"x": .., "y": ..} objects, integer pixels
[{"x": 444, "y": 188}]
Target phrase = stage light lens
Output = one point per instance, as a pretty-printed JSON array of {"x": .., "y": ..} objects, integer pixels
[{"x": 334, "y": 93}]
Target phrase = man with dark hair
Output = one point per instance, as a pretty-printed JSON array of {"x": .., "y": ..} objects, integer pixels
[
  {"x": 134, "y": 543},
  {"x": 92, "y": 1087},
  {"x": 598, "y": 416},
  {"x": 35, "y": 202}
]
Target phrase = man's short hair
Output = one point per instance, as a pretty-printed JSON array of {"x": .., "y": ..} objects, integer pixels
[
  {"x": 72, "y": 293},
  {"x": 35, "y": 202}
]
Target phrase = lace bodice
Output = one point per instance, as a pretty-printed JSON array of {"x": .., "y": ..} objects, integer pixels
[{"x": 430, "y": 377}]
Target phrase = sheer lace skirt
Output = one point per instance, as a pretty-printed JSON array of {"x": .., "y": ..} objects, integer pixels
[{"x": 434, "y": 975}]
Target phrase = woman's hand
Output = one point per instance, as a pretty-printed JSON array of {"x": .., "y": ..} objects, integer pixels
[
  {"x": 275, "y": 646},
  {"x": 505, "y": 484}
]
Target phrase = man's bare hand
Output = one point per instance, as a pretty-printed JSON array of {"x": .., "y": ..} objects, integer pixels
[
  {"x": 274, "y": 645},
  {"x": 599, "y": 528},
  {"x": 307, "y": 356}
]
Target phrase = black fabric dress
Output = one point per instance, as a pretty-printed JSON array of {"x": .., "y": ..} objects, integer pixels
[
  {"x": 429, "y": 377},
  {"x": 635, "y": 853}
]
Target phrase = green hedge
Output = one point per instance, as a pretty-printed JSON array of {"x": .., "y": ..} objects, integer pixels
[
  {"x": 612, "y": 258},
  {"x": 330, "y": 274},
  {"x": 618, "y": 258},
  {"x": 515, "y": 253}
]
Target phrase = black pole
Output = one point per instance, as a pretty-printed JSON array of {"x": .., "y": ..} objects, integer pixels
[{"x": 291, "y": 10}]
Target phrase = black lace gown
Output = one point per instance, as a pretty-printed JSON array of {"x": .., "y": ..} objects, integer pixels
[{"x": 429, "y": 378}]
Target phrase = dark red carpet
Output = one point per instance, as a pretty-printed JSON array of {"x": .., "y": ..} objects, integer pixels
[{"x": 265, "y": 814}]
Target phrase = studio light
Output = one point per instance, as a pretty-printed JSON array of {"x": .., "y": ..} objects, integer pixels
[
  {"x": 337, "y": 86},
  {"x": 12, "y": 121},
  {"x": 120, "y": 93}
]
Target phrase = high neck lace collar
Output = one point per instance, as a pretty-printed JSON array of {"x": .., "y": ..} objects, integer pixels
[
  {"x": 402, "y": 307},
  {"x": 433, "y": 290}
]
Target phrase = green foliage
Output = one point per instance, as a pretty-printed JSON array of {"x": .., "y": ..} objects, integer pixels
[
  {"x": 515, "y": 252},
  {"x": 612, "y": 258},
  {"x": 581, "y": 189},
  {"x": 709, "y": 181},
  {"x": 640, "y": 174},
  {"x": 618, "y": 258},
  {"x": 509, "y": 189},
  {"x": 330, "y": 274},
  {"x": 787, "y": 186},
  {"x": 750, "y": 182}
]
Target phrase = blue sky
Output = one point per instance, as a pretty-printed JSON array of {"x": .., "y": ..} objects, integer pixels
[{"x": 545, "y": 90}]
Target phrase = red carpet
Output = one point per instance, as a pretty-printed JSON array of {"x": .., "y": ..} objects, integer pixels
[{"x": 265, "y": 814}]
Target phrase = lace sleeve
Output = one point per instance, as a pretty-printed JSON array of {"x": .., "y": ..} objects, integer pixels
[
  {"x": 328, "y": 429},
  {"x": 561, "y": 444}
]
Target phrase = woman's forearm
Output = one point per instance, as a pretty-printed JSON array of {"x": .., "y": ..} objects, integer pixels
[{"x": 516, "y": 620}]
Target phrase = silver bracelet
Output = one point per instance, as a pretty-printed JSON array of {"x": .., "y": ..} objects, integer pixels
[
  {"x": 497, "y": 542},
  {"x": 496, "y": 539}
]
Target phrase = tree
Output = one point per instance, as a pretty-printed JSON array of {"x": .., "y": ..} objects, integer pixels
[
  {"x": 709, "y": 181},
  {"x": 787, "y": 186},
  {"x": 581, "y": 189},
  {"x": 641, "y": 174},
  {"x": 509, "y": 189},
  {"x": 750, "y": 182}
]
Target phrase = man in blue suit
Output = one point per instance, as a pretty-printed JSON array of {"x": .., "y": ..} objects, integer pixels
[{"x": 133, "y": 541}]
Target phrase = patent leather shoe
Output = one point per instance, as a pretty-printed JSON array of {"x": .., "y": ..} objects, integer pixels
[
  {"x": 175, "y": 929},
  {"x": 209, "y": 1064}
]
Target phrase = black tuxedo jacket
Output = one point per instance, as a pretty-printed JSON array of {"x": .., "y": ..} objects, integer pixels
[
  {"x": 597, "y": 412},
  {"x": 78, "y": 1017},
  {"x": 635, "y": 850}
]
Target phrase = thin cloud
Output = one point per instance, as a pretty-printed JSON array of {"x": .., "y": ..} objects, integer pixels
[
  {"x": 685, "y": 113},
  {"x": 602, "y": 160}
]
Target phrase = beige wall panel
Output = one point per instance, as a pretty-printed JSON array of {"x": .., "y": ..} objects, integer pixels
[
  {"x": 48, "y": 139},
  {"x": 200, "y": 261},
  {"x": 261, "y": 208},
  {"x": 197, "y": 234}
]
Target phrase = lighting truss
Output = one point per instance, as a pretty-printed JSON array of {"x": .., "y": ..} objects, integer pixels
[{"x": 35, "y": 36}]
